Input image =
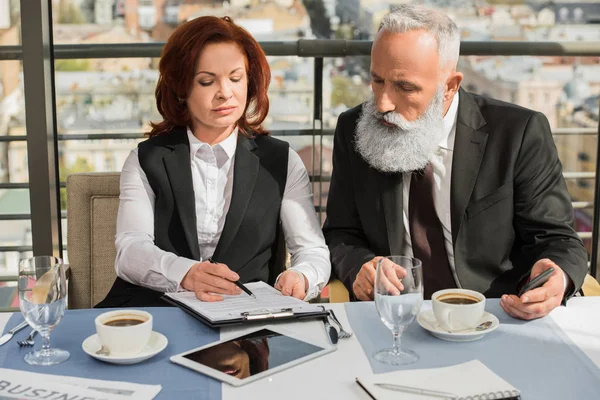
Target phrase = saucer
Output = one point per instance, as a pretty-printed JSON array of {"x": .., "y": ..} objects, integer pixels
[
  {"x": 156, "y": 344},
  {"x": 427, "y": 320}
]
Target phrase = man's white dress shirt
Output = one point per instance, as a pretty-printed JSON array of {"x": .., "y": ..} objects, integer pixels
[
  {"x": 442, "y": 171},
  {"x": 140, "y": 262}
]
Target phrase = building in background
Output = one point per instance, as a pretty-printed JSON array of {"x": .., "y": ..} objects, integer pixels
[{"x": 576, "y": 12}]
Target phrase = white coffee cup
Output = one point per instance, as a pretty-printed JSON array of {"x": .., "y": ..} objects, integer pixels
[
  {"x": 121, "y": 335},
  {"x": 458, "y": 309}
]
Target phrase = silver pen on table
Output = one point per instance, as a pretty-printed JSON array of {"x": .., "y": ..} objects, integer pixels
[{"x": 414, "y": 390}]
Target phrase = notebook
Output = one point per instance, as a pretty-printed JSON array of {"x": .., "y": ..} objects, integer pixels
[
  {"x": 467, "y": 381},
  {"x": 269, "y": 304}
]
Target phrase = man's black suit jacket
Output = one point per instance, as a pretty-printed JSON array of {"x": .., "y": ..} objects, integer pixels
[{"x": 509, "y": 202}]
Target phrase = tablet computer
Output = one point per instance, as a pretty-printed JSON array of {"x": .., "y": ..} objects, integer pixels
[{"x": 251, "y": 356}]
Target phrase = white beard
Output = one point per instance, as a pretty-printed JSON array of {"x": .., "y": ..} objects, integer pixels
[{"x": 406, "y": 146}]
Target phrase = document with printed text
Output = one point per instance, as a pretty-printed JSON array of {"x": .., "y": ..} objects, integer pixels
[
  {"x": 19, "y": 385},
  {"x": 268, "y": 299}
]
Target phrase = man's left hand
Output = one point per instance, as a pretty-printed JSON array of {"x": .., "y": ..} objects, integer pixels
[
  {"x": 291, "y": 283},
  {"x": 537, "y": 303}
]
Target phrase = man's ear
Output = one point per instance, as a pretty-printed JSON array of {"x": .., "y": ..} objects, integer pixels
[{"x": 452, "y": 84}]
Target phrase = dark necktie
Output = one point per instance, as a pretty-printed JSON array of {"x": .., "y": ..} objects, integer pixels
[{"x": 427, "y": 234}]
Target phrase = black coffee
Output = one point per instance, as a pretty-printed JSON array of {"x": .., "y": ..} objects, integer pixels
[
  {"x": 458, "y": 300},
  {"x": 125, "y": 321}
]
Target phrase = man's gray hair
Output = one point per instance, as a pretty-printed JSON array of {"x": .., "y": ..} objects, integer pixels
[{"x": 407, "y": 17}]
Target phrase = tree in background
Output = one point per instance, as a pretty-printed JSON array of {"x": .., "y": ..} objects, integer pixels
[
  {"x": 319, "y": 20},
  {"x": 72, "y": 65},
  {"x": 69, "y": 13},
  {"x": 347, "y": 91},
  {"x": 80, "y": 165},
  {"x": 345, "y": 32}
]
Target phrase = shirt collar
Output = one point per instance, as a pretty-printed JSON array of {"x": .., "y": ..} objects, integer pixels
[
  {"x": 228, "y": 145},
  {"x": 447, "y": 142}
]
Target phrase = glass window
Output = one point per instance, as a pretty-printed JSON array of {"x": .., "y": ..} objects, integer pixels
[
  {"x": 578, "y": 15},
  {"x": 104, "y": 105},
  {"x": 563, "y": 14}
]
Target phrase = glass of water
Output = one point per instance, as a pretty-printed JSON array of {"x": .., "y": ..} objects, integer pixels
[
  {"x": 398, "y": 298},
  {"x": 42, "y": 300}
]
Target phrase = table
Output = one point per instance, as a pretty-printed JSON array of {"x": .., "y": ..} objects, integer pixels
[{"x": 332, "y": 376}]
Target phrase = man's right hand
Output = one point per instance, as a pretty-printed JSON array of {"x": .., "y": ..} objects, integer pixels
[
  {"x": 363, "y": 286},
  {"x": 208, "y": 280}
]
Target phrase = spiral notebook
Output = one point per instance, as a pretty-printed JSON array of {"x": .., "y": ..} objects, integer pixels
[{"x": 468, "y": 381}]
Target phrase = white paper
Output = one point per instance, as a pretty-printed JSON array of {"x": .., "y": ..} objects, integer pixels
[
  {"x": 16, "y": 384},
  {"x": 267, "y": 299},
  {"x": 463, "y": 380}
]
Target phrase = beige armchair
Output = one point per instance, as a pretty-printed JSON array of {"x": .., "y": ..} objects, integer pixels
[{"x": 93, "y": 202}]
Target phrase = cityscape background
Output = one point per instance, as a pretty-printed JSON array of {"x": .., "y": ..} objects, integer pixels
[{"x": 97, "y": 96}]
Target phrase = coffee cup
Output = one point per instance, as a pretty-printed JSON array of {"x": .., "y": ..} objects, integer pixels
[
  {"x": 458, "y": 309},
  {"x": 124, "y": 333}
]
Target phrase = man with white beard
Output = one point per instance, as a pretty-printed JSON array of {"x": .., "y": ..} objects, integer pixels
[{"x": 469, "y": 185}]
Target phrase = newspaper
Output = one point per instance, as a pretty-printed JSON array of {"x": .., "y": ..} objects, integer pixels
[{"x": 29, "y": 385}]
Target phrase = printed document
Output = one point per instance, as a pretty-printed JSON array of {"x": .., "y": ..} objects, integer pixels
[
  {"x": 16, "y": 384},
  {"x": 268, "y": 299}
]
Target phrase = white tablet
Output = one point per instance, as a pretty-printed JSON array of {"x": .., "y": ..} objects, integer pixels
[{"x": 251, "y": 356}]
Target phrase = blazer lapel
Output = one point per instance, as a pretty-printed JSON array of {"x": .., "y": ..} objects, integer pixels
[
  {"x": 469, "y": 147},
  {"x": 245, "y": 172},
  {"x": 177, "y": 164},
  {"x": 390, "y": 186}
]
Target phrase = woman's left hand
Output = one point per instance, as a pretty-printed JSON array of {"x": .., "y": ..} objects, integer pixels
[{"x": 293, "y": 284}]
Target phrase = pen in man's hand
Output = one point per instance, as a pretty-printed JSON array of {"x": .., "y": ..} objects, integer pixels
[{"x": 237, "y": 283}]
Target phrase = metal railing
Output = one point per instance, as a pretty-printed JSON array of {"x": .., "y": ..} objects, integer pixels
[
  {"x": 316, "y": 48},
  {"x": 277, "y": 133}
]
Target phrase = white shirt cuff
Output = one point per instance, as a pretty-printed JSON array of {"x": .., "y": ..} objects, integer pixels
[
  {"x": 566, "y": 281},
  {"x": 305, "y": 270},
  {"x": 177, "y": 271}
]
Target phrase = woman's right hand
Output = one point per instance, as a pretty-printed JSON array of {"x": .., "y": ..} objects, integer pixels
[{"x": 208, "y": 280}]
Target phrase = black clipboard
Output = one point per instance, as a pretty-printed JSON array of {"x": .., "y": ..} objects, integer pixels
[{"x": 270, "y": 316}]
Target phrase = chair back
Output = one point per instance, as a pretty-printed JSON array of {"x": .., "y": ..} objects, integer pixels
[
  {"x": 590, "y": 287},
  {"x": 93, "y": 202}
]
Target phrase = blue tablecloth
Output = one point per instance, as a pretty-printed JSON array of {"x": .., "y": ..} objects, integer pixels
[
  {"x": 536, "y": 357},
  {"x": 183, "y": 332}
]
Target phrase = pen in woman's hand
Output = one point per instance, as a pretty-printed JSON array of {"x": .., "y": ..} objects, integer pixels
[
  {"x": 245, "y": 289},
  {"x": 237, "y": 283}
]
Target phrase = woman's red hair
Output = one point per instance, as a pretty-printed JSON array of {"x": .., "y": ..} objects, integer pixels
[{"x": 177, "y": 67}]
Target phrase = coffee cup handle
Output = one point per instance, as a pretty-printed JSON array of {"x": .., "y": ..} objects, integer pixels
[{"x": 446, "y": 320}]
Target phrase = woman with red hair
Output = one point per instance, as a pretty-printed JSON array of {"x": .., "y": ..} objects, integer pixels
[{"x": 202, "y": 198}]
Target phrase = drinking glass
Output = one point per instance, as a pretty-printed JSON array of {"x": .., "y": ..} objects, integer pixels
[
  {"x": 398, "y": 298},
  {"x": 42, "y": 300}
]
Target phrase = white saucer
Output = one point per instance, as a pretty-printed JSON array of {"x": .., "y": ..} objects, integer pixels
[
  {"x": 428, "y": 322},
  {"x": 156, "y": 344}
]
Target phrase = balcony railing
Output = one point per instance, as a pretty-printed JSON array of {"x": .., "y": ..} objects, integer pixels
[{"x": 317, "y": 49}]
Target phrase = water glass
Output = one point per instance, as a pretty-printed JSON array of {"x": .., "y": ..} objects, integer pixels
[
  {"x": 42, "y": 300},
  {"x": 398, "y": 298}
]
